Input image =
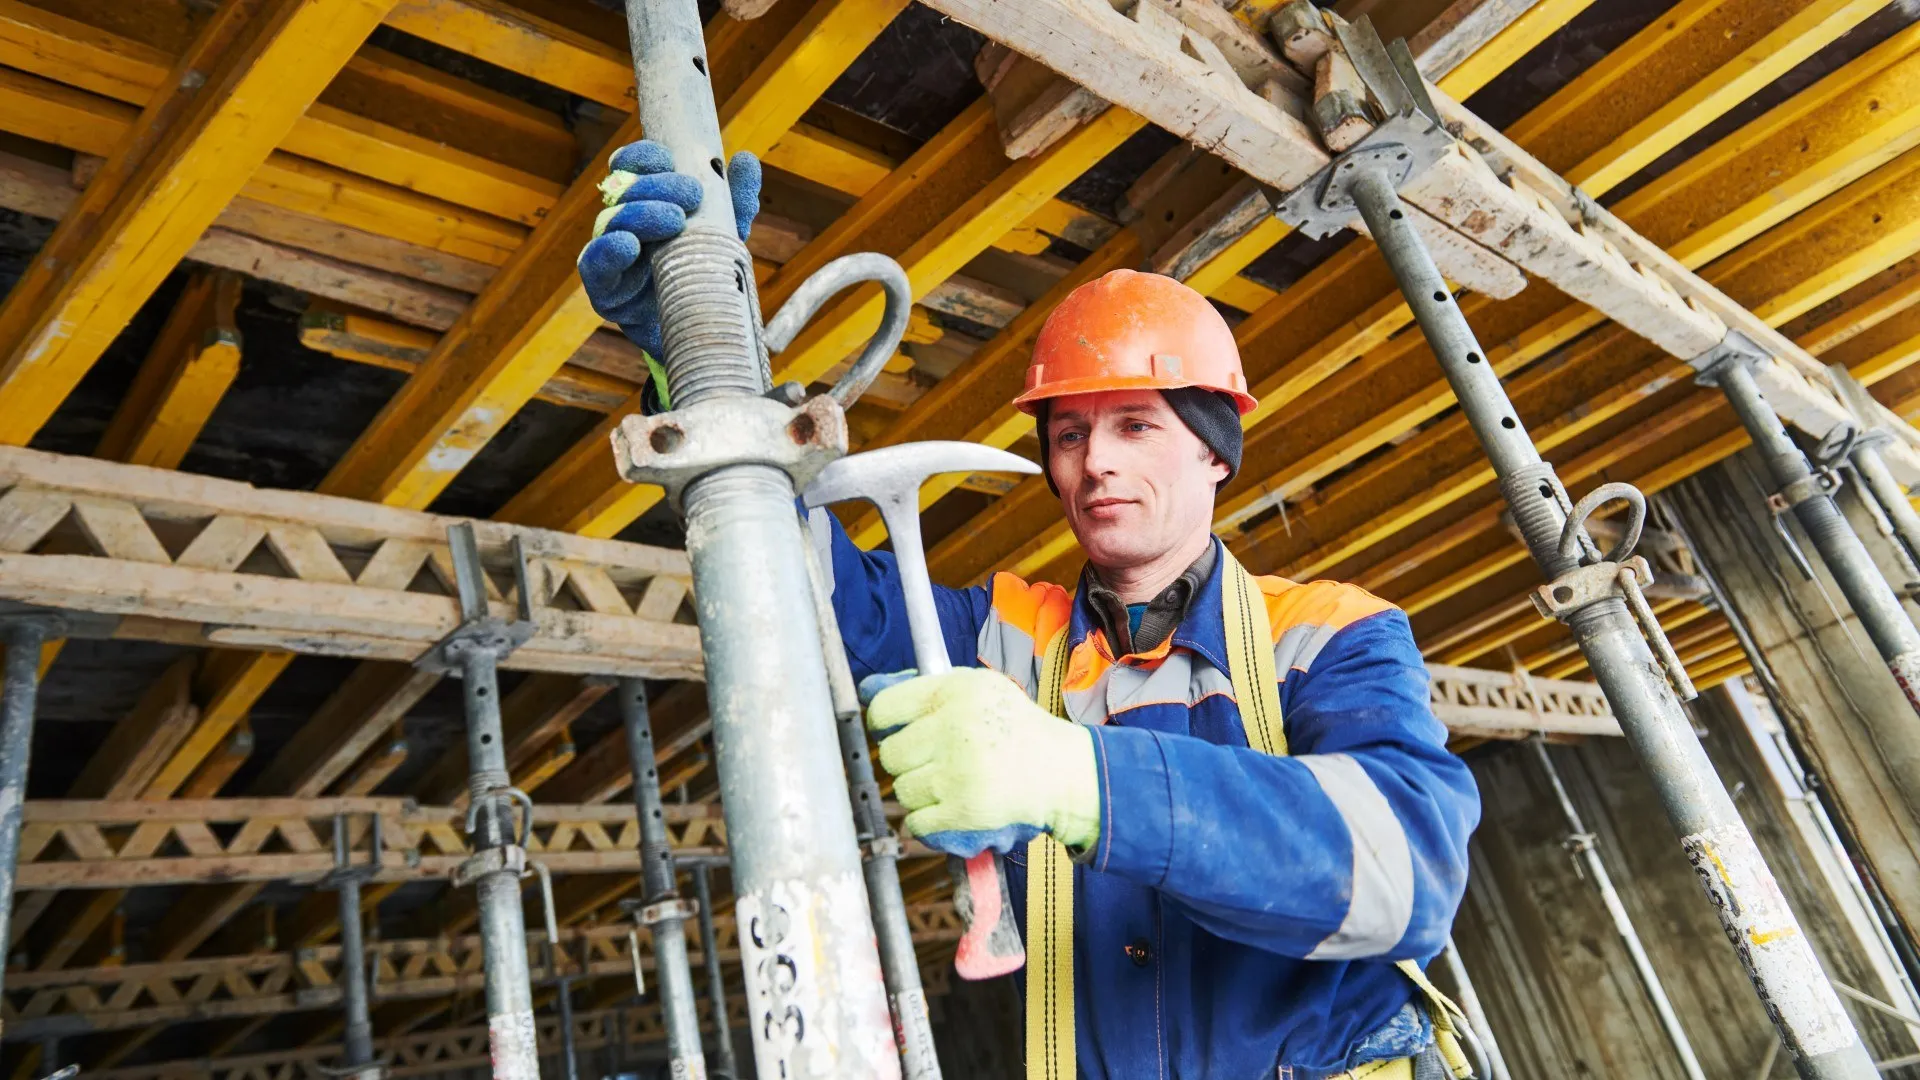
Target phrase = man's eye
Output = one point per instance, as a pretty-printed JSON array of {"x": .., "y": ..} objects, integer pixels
[
  {"x": 1139, "y": 426},
  {"x": 1066, "y": 437}
]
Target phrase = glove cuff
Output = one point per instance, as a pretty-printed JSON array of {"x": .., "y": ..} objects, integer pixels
[{"x": 1076, "y": 816}]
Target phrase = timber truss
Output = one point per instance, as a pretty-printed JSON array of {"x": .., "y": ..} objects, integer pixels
[
  {"x": 426, "y": 1053},
  {"x": 77, "y": 1000},
  {"x": 174, "y": 557},
  {"x": 86, "y": 844}
]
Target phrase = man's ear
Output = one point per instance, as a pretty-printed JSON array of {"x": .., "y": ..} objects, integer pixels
[{"x": 1216, "y": 461}]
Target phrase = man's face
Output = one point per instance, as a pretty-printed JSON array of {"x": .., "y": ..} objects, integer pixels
[{"x": 1135, "y": 481}]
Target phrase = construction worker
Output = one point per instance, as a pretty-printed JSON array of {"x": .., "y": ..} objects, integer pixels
[{"x": 1224, "y": 910}]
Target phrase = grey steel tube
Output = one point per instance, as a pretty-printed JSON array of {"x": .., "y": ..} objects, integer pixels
[
  {"x": 22, "y": 685},
  {"x": 728, "y": 1068},
  {"x": 1803, "y": 1004},
  {"x": 1490, "y": 1056},
  {"x": 1582, "y": 842},
  {"x": 817, "y": 1003},
  {"x": 357, "y": 1044},
  {"x": 570, "y": 1060},
  {"x": 1867, "y": 592},
  {"x": 1891, "y": 495},
  {"x": 659, "y": 891},
  {"x": 511, "y": 1036}
]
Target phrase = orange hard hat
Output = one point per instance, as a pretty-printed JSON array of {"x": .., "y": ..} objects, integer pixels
[{"x": 1127, "y": 330}]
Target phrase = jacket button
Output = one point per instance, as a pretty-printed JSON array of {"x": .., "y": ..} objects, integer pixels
[{"x": 1138, "y": 953}]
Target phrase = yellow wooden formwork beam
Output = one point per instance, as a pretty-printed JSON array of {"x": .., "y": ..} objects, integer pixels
[
  {"x": 1534, "y": 26},
  {"x": 245, "y": 81},
  {"x": 186, "y": 373},
  {"x": 1773, "y": 55},
  {"x": 599, "y": 70},
  {"x": 1828, "y": 135}
]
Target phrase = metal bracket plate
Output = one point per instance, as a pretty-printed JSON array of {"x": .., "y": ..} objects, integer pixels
[
  {"x": 1734, "y": 348},
  {"x": 1402, "y": 147},
  {"x": 480, "y": 629},
  {"x": 673, "y": 449}
]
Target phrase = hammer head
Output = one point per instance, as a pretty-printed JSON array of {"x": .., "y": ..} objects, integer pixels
[{"x": 892, "y": 475}]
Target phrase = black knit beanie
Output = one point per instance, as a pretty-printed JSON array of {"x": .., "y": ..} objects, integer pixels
[{"x": 1211, "y": 415}]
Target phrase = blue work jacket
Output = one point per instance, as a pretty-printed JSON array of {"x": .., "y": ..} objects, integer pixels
[{"x": 1240, "y": 913}]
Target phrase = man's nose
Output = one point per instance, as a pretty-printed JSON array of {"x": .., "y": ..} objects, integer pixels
[{"x": 1100, "y": 457}]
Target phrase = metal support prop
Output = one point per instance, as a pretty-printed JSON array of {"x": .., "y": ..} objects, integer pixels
[
  {"x": 1891, "y": 497},
  {"x": 728, "y": 1068},
  {"x": 879, "y": 847},
  {"x": 499, "y": 857},
  {"x": 1594, "y": 600},
  {"x": 24, "y": 635},
  {"x": 356, "y": 1057},
  {"x": 815, "y": 996},
  {"x": 1491, "y": 1059},
  {"x": 661, "y": 909},
  {"x": 1581, "y": 844},
  {"x": 1810, "y": 497}
]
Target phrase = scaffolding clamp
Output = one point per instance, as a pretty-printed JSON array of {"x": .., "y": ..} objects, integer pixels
[
  {"x": 1619, "y": 573},
  {"x": 502, "y": 858},
  {"x": 673, "y": 449},
  {"x": 658, "y": 911}
]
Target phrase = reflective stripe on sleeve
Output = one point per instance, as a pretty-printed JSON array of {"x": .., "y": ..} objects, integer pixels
[{"x": 1382, "y": 898}]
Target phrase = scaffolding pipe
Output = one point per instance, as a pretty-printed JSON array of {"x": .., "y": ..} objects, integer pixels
[
  {"x": 1490, "y": 1056},
  {"x": 1872, "y": 599},
  {"x": 1891, "y": 496},
  {"x": 24, "y": 638},
  {"x": 356, "y": 1057},
  {"x": 879, "y": 847},
  {"x": 511, "y": 1037},
  {"x": 817, "y": 1001},
  {"x": 1582, "y": 844},
  {"x": 1778, "y": 959},
  {"x": 662, "y": 910},
  {"x": 728, "y": 1068}
]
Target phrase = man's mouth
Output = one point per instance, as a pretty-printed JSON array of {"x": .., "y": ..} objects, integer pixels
[{"x": 1097, "y": 506}]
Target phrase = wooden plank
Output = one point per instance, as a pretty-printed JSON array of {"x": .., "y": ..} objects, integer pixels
[
  {"x": 189, "y": 368},
  {"x": 262, "y": 64}
]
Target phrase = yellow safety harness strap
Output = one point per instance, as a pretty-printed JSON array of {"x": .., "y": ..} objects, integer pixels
[
  {"x": 1256, "y": 687},
  {"x": 1050, "y": 1047}
]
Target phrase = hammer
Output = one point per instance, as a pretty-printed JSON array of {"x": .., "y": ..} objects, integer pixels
[{"x": 890, "y": 479}]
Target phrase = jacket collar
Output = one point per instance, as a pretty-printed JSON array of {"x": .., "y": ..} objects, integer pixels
[{"x": 1201, "y": 630}]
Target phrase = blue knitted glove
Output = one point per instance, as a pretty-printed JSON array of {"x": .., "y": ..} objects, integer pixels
[{"x": 647, "y": 202}]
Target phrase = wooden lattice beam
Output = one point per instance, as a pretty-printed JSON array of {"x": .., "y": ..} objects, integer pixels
[
  {"x": 270, "y": 569},
  {"x": 104, "y": 998}
]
